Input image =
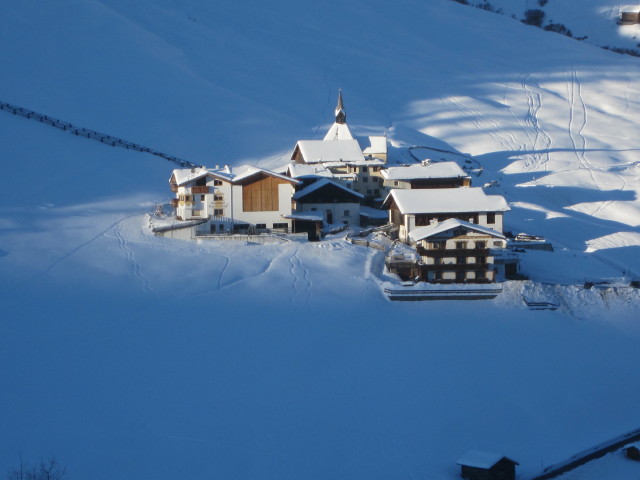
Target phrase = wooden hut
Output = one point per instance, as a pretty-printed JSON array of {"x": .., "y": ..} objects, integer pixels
[
  {"x": 629, "y": 18},
  {"x": 477, "y": 465}
]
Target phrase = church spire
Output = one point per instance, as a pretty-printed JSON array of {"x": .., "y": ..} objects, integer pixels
[{"x": 341, "y": 115}]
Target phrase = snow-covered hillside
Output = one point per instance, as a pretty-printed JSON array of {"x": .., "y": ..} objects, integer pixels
[
  {"x": 596, "y": 22},
  {"x": 131, "y": 356}
]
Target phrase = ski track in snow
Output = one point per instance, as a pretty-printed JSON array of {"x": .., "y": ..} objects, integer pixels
[
  {"x": 75, "y": 250},
  {"x": 578, "y": 116},
  {"x": 541, "y": 140},
  {"x": 509, "y": 142},
  {"x": 301, "y": 284},
  {"x": 136, "y": 270}
]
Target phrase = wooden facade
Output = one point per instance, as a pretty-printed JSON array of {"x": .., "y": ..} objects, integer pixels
[{"x": 261, "y": 195}]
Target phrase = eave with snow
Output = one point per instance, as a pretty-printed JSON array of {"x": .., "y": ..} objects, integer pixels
[
  {"x": 336, "y": 203},
  {"x": 426, "y": 175}
]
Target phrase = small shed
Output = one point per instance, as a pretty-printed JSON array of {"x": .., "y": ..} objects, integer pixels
[{"x": 477, "y": 465}]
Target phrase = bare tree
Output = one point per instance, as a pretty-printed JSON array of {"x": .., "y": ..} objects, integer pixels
[{"x": 49, "y": 469}]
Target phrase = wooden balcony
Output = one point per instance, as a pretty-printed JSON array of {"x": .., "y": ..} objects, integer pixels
[
  {"x": 452, "y": 252},
  {"x": 197, "y": 189},
  {"x": 456, "y": 267}
]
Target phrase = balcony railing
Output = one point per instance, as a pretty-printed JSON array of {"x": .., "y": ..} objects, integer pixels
[
  {"x": 199, "y": 189},
  {"x": 455, "y": 267},
  {"x": 452, "y": 252}
]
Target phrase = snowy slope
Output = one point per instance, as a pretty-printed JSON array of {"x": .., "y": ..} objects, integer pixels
[
  {"x": 130, "y": 356},
  {"x": 591, "y": 21}
]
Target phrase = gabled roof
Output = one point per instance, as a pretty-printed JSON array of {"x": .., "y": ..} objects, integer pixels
[
  {"x": 421, "y": 171},
  {"x": 245, "y": 172},
  {"x": 445, "y": 200},
  {"x": 186, "y": 175},
  {"x": 302, "y": 170},
  {"x": 229, "y": 174},
  {"x": 315, "y": 151},
  {"x": 321, "y": 184},
  {"x": 421, "y": 233},
  {"x": 372, "y": 145},
  {"x": 474, "y": 458},
  {"x": 338, "y": 131}
]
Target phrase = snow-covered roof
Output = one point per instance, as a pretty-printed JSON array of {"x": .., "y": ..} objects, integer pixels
[
  {"x": 373, "y": 145},
  {"x": 475, "y": 458},
  {"x": 186, "y": 175},
  {"x": 238, "y": 174},
  {"x": 321, "y": 183},
  {"x": 338, "y": 131},
  {"x": 230, "y": 174},
  {"x": 308, "y": 216},
  {"x": 446, "y": 200},
  {"x": 314, "y": 151},
  {"x": 300, "y": 170},
  {"x": 420, "y": 171},
  {"x": 371, "y": 212},
  {"x": 421, "y": 233},
  {"x": 369, "y": 162}
]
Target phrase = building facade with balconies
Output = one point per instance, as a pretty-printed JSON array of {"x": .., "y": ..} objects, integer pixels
[
  {"x": 234, "y": 199},
  {"x": 455, "y": 251}
]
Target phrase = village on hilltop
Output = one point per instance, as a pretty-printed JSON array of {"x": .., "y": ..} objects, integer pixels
[{"x": 442, "y": 230}]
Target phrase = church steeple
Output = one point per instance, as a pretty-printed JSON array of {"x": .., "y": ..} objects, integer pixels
[
  {"x": 339, "y": 130},
  {"x": 341, "y": 115}
]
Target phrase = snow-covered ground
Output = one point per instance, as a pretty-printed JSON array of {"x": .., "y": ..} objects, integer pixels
[
  {"x": 596, "y": 22},
  {"x": 132, "y": 356}
]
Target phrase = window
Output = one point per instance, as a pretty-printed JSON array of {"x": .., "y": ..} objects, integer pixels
[
  {"x": 498, "y": 243},
  {"x": 438, "y": 275},
  {"x": 314, "y": 209},
  {"x": 218, "y": 197},
  {"x": 437, "y": 261},
  {"x": 202, "y": 198},
  {"x": 218, "y": 212},
  {"x": 461, "y": 260},
  {"x": 217, "y": 183},
  {"x": 438, "y": 245},
  {"x": 364, "y": 169},
  {"x": 480, "y": 275},
  {"x": 461, "y": 245},
  {"x": 261, "y": 226},
  {"x": 395, "y": 183},
  {"x": 481, "y": 245},
  {"x": 280, "y": 225},
  {"x": 346, "y": 213},
  {"x": 365, "y": 179},
  {"x": 491, "y": 217},
  {"x": 481, "y": 260},
  {"x": 376, "y": 191}
]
